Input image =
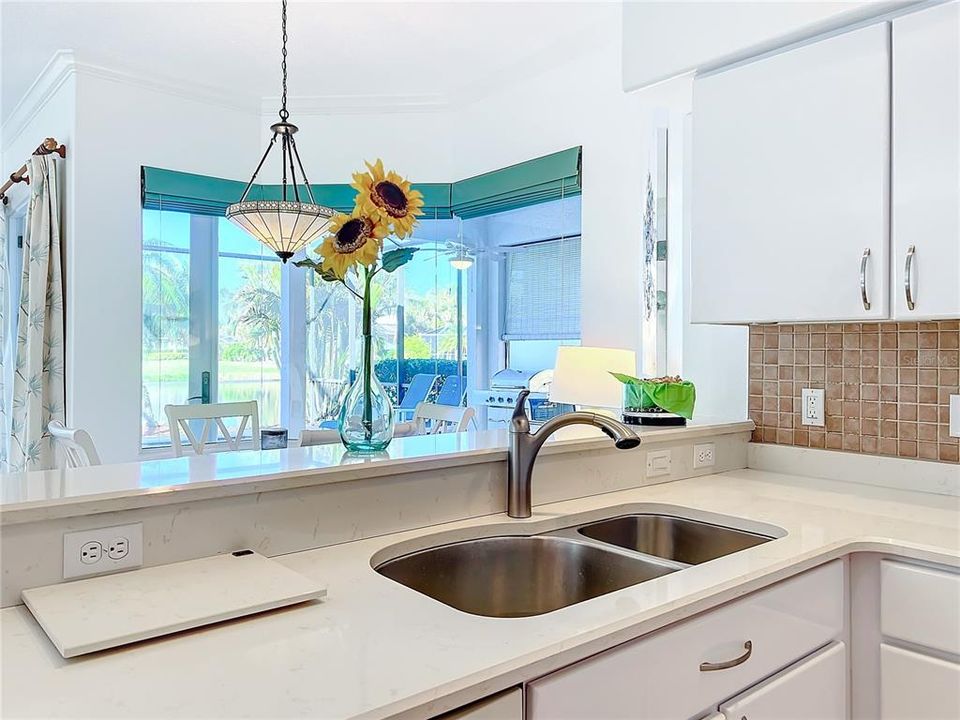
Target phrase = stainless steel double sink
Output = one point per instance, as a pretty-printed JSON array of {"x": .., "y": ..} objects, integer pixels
[{"x": 519, "y": 576}]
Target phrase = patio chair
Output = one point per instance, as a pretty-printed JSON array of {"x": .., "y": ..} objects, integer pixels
[
  {"x": 441, "y": 418},
  {"x": 452, "y": 391},
  {"x": 420, "y": 386}
]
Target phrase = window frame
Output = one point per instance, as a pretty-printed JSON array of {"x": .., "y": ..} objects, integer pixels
[{"x": 203, "y": 251}]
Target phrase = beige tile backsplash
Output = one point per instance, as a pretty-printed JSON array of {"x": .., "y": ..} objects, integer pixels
[{"x": 887, "y": 386}]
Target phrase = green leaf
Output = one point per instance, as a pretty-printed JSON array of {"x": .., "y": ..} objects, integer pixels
[
  {"x": 328, "y": 275},
  {"x": 393, "y": 259}
]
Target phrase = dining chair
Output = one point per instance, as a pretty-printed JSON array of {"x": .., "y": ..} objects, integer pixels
[
  {"x": 181, "y": 417},
  {"x": 420, "y": 386},
  {"x": 432, "y": 419},
  {"x": 76, "y": 444}
]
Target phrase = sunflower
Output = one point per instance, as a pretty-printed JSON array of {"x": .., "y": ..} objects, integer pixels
[
  {"x": 354, "y": 239},
  {"x": 389, "y": 198}
]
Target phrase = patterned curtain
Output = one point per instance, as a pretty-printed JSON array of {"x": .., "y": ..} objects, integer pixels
[
  {"x": 4, "y": 330},
  {"x": 38, "y": 385}
]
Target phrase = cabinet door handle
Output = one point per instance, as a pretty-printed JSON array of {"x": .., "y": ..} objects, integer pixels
[
  {"x": 727, "y": 664},
  {"x": 908, "y": 277},
  {"x": 863, "y": 278}
]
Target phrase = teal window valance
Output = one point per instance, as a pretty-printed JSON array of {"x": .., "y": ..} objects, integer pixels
[
  {"x": 202, "y": 195},
  {"x": 528, "y": 183},
  {"x": 550, "y": 177}
]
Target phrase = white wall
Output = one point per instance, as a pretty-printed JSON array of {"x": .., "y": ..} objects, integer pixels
[
  {"x": 121, "y": 126},
  {"x": 577, "y": 102},
  {"x": 663, "y": 39},
  {"x": 334, "y": 144}
]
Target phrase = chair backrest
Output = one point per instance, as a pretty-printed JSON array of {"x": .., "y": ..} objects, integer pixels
[
  {"x": 77, "y": 445},
  {"x": 212, "y": 415},
  {"x": 319, "y": 437},
  {"x": 442, "y": 418},
  {"x": 452, "y": 390},
  {"x": 420, "y": 386}
]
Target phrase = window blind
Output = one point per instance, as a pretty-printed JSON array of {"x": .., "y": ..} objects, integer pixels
[{"x": 542, "y": 291}]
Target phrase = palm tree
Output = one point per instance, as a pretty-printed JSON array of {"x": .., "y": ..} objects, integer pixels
[
  {"x": 256, "y": 309},
  {"x": 166, "y": 299}
]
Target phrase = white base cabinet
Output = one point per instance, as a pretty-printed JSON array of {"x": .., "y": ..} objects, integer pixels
[
  {"x": 919, "y": 609},
  {"x": 682, "y": 671},
  {"x": 507, "y": 705},
  {"x": 917, "y": 687},
  {"x": 813, "y": 689}
]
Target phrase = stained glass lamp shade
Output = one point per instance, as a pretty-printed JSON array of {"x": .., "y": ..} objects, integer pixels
[{"x": 284, "y": 227}]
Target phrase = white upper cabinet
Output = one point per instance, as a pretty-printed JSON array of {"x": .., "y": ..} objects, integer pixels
[
  {"x": 926, "y": 164},
  {"x": 790, "y": 182}
]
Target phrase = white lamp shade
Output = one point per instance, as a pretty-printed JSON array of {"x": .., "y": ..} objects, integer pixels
[
  {"x": 582, "y": 376},
  {"x": 284, "y": 227}
]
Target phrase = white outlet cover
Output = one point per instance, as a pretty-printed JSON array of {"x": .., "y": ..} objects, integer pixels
[
  {"x": 955, "y": 416},
  {"x": 811, "y": 407},
  {"x": 74, "y": 542},
  {"x": 704, "y": 455},
  {"x": 658, "y": 463}
]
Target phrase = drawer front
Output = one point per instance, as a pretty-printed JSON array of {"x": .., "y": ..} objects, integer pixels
[
  {"x": 815, "y": 687},
  {"x": 917, "y": 687},
  {"x": 659, "y": 676},
  {"x": 920, "y": 605}
]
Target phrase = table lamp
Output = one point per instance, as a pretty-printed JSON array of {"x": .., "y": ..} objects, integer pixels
[{"x": 581, "y": 377}]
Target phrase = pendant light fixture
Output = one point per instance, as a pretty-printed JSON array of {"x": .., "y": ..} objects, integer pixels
[
  {"x": 286, "y": 225},
  {"x": 462, "y": 260}
]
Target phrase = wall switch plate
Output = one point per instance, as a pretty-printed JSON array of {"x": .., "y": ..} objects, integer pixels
[
  {"x": 704, "y": 455},
  {"x": 955, "y": 416},
  {"x": 658, "y": 463},
  {"x": 102, "y": 550},
  {"x": 811, "y": 407}
]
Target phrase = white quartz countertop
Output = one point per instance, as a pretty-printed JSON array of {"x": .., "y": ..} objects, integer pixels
[
  {"x": 32, "y": 496},
  {"x": 375, "y": 649}
]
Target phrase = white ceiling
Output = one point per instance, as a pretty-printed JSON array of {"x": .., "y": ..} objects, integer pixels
[{"x": 442, "y": 49}]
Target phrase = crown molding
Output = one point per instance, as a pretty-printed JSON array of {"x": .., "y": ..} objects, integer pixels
[
  {"x": 64, "y": 64},
  {"x": 54, "y": 74},
  {"x": 312, "y": 105},
  {"x": 206, "y": 94}
]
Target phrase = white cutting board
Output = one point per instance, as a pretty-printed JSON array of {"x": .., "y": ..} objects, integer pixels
[{"x": 103, "y": 612}]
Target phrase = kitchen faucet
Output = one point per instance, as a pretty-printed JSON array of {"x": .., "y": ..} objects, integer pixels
[{"x": 525, "y": 445}]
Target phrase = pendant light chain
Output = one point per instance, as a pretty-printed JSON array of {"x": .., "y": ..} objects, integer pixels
[{"x": 283, "y": 63}]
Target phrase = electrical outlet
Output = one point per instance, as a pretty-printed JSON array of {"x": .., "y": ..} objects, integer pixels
[
  {"x": 704, "y": 455},
  {"x": 102, "y": 550},
  {"x": 811, "y": 406},
  {"x": 91, "y": 552},
  {"x": 955, "y": 416},
  {"x": 658, "y": 463}
]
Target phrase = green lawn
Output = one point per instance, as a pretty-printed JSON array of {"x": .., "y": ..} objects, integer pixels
[{"x": 229, "y": 371}]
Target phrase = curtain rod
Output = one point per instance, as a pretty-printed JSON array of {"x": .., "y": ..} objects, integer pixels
[{"x": 47, "y": 147}]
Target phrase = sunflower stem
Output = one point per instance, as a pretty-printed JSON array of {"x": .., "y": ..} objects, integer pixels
[{"x": 367, "y": 357}]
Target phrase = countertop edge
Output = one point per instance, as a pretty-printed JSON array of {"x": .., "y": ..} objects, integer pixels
[{"x": 76, "y": 506}]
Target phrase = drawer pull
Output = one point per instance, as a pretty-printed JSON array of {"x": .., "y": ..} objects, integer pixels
[{"x": 727, "y": 664}]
